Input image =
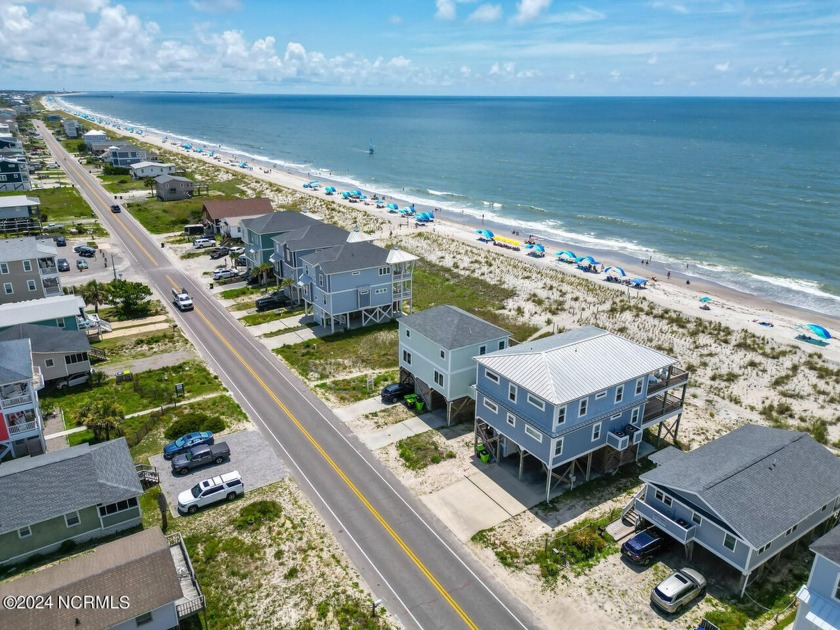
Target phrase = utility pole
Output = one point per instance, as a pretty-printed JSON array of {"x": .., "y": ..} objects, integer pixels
[{"x": 113, "y": 266}]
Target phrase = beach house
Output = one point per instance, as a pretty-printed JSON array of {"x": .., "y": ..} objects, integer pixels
[
  {"x": 63, "y": 311},
  {"x": 20, "y": 214},
  {"x": 213, "y": 212},
  {"x": 173, "y": 187},
  {"x": 819, "y": 599},
  {"x": 9, "y": 145},
  {"x": 291, "y": 246},
  {"x": 146, "y": 580},
  {"x": 72, "y": 129},
  {"x": 436, "y": 355},
  {"x": 14, "y": 174},
  {"x": 76, "y": 493},
  {"x": 21, "y": 429},
  {"x": 258, "y": 232},
  {"x": 28, "y": 269},
  {"x": 94, "y": 136},
  {"x": 575, "y": 403},
  {"x": 124, "y": 154},
  {"x": 356, "y": 282},
  {"x": 56, "y": 353},
  {"x": 744, "y": 498},
  {"x": 142, "y": 170}
]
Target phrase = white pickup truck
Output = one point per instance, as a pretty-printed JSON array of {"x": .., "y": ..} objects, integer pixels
[{"x": 182, "y": 299}]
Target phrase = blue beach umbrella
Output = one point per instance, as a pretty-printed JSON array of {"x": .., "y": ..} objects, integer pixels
[
  {"x": 638, "y": 281},
  {"x": 567, "y": 255},
  {"x": 618, "y": 272},
  {"x": 329, "y": 190},
  {"x": 485, "y": 233},
  {"x": 819, "y": 331},
  {"x": 392, "y": 206},
  {"x": 539, "y": 248},
  {"x": 705, "y": 299}
]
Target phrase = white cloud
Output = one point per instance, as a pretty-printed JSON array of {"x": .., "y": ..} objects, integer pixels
[
  {"x": 507, "y": 71},
  {"x": 653, "y": 59},
  {"x": 445, "y": 9},
  {"x": 671, "y": 6},
  {"x": 486, "y": 13},
  {"x": 723, "y": 67},
  {"x": 216, "y": 6},
  {"x": 581, "y": 16},
  {"x": 529, "y": 10}
]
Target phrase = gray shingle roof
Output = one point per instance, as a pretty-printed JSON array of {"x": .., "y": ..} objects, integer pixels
[
  {"x": 574, "y": 364},
  {"x": 140, "y": 566},
  {"x": 26, "y": 248},
  {"x": 349, "y": 257},
  {"x": 829, "y": 545},
  {"x": 48, "y": 338},
  {"x": 761, "y": 481},
  {"x": 450, "y": 327},
  {"x": 312, "y": 236},
  {"x": 37, "y": 488},
  {"x": 283, "y": 221},
  {"x": 163, "y": 179},
  {"x": 15, "y": 361}
]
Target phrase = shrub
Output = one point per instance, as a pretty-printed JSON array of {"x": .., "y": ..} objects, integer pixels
[
  {"x": 115, "y": 170},
  {"x": 67, "y": 546},
  {"x": 195, "y": 421},
  {"x": 255, "y": 514}
]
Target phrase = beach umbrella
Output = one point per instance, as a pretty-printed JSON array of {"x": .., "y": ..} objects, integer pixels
[
  {"x": 485, "y": 233},
  {"x": 638, "y": 281},
  {"x": 329, "y": 190},
  {"x": 392, "y": 206},
  {"x": 705, "y": 299},
  {"x": 567, "y": 255},
  {"x": 539, "y": 248},
  {"x": 617, "y": 272},
  {"x": 819, "y": 331}
]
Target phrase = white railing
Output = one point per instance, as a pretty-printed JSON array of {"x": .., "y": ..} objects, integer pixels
[
  {"x": 6, "y": 403},
  {"x": 24, "y": 427}
]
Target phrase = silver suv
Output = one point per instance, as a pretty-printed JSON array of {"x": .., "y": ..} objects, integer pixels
[
  {"x": 227, "y": 486},
  {"x": 677, "y": 590}
]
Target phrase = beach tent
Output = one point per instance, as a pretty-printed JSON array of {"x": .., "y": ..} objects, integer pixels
[
  {"x": 407, "y": 211},
  {"x": 818, "y": 330},
  {"x": 615, "y": 272},
  {"x": 392, "y": 206},
  {"x": 379, "y": 204},
  {"x": 485, "y": 234},
  {"x": 586, "y": 260},
  {"x": 705, "y": 299},
  {"x": 567, "y": 256},
  {"x": 537, "y": 250},
  {"x": 638, "y": 282},
  {"x": 329, "y": 190}
]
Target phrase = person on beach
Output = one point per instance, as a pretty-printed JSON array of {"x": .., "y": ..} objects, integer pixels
[{"x": 669, "y": 275}]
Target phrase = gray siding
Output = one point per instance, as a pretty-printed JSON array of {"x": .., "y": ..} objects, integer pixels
[{"x": 18, "y": 278}]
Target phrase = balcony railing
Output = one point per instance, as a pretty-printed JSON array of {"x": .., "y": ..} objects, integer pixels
[
  {"x": 24, "y": 427},
  {"x": 676, "y": 528},
  {"x": 193, "y": 599},
  {"x": 15, "y": 401},
  {"x": 50, "y": 291},
  {"x": 676, "y": 376},
  {"x": 660, "y": 407}
]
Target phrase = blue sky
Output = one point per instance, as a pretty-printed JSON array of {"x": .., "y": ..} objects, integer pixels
[{"x": 448, "y": 47}]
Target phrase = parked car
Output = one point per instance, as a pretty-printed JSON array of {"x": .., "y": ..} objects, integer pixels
[
  {"x": 62, "y": 264},
  {"x": 186, "y": 442},
  {"x": 81, "y": 264},
  {"x": 199, "y": 456},
  {"x": 219, "y": 252},
  {"x": 678, "y": 589},
  {"x": 60, "y": 241},
  {"x": 255, "y": 277},
  {"x": 273, "y": 300},
  {"x": 79, "y": 248},
  {"x": 394, "y": 392},
  {"x": 115, "y": 209},
  {"x": 227, "y": 486},
  {"x": 241, "y": 261},
  {"x": 202, "y": 242},
  {"x": 642, "y": 547},
  {"x": 87, "y": 252},
  {"x": 237, "y": 250},
  {"x": 225, "y": 274},
  {"x": 73, "y": 380}
]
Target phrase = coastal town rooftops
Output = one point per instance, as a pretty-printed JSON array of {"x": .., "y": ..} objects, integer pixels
[
  {"x": 281, "y": 221},
  {"x": 140, "y": 566},
  {"x": 237, "y": 208},
  {"x": 312, "y": 236},
  {"x": 829, "y": 545},
  {"x": 13, "y": 201},
  {"x": 349, "y": 257},
  {"x": 760, "y": 481},
  {"x": 15, "y": 361},
  {"x": 46, "y": 339},
  {"x": 139, "y": 165},
  {"x": 574, "y": 364},
  {"x": 94, "y": 133},
  {"x": 165, "y": 179},
  {"x": 451, "y": 328},
  {"x": 50, "y": 308},
  {"x": 26, "y": 248},
  {"x": 35, "y": 489}
]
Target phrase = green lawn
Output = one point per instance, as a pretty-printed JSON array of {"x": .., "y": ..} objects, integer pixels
[
  {"x": 159, "y": 217},
  {"x": 141, "y": 345},
  {"x": 367, "y": 349},
  {"x": 350, "y": 390},
  {"x": 229, "y": 188},
  {"x": 121, "y": 183},
  {"x": 59, "y": 204},
  {"x": 263, "y": 318},
  {"x": 422, "y": 450}
]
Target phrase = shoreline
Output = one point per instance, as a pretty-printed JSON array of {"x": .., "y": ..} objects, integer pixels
[{"x": 671, "y": 293}]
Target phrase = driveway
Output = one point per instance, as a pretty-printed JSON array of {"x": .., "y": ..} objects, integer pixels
[{"x": 249, "y": 454}]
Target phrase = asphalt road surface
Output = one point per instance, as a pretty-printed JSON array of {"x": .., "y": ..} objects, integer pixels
[{"x": 409, "y": 559}]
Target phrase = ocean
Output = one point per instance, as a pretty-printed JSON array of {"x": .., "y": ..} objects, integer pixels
[{"x": 740, "y": 192}]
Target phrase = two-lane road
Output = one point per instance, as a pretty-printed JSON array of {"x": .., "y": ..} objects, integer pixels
[{"x": 407, "y": 557}]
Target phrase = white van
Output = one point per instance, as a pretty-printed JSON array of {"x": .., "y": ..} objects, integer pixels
[{"x": 198, "y": 243}]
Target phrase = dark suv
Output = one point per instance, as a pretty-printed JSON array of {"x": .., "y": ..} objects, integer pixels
[
  {"x": 271, "y": 301},
  {"x": 642, "y": 548},
  {"x": 394, "y": 392}
]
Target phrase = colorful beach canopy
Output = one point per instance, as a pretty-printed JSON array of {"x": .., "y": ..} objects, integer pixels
[
  {"x": 616, "y": 272},
  {"x": 486, "y": 234},
  {"x": 392, "y": 206},
  {"x": 819, "y": 331},
  {"x": 329, "y": 190},
  {"x": 705, "y": 299},
  {"x": 638, "y": 281},
  {"x": 586, "y": 260},
  {"x": 538, "y": 248},
  {"x": 567, "y": 255}
]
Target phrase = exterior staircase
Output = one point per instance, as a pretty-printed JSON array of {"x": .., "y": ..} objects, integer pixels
[
  {"x": 148, "y": 475},
  {"x": 97, "y": 354},
  {"x": 627, "y": 523}
]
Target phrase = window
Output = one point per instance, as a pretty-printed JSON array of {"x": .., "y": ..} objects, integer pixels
[
  {"x": 407, "y": 333},
  {"x": 407, "y": 357},
  {"x": 764, "y": 548},
  {"x": 512, "y": 392},
  {"x": 491, "y": 405},
  {"x": 384, "y": 271},
  {"x": 491, "y": 376},
  {"x": 659, "y": 495},
  {"x": 324, "y": 299},
  {"x": 49, "y": 363},
  {"x": 27, "y": 265},
  {"x": 438, "y": 378},
  {"x": 7, "y": 287},
  {"x": 696, "y": 518},
  {"x": 583, "y": 407},
  {"x": 601, "y": 395},
  {"x": 729, "y": 542},
  {"x": 72, "y": 519},
  {"x": 619, "y": 394},
  {"x": 837, "y": 590},
  {"x": 442, "y": 354},
  {"x": 320, "y": 279},
  {"x": 59, "y": 323},
  {"x": 790, "y": 531},
  {"x": 482, "y": 350},
  {"x": 558, "y": 447},
  {"x": 502, "y": 345},
  {"x": 511, "y": 420},
  {"x": 533, "y": 400},
  {"x": 634, "y": 416},
  {"x": 596, "y": 431},
  {"x": 532, "y": 432},
  {"x": 561, "y": 415},
  {"x": 121, "y": 506},
  {"x": 640, "y": 383},
  {"x": 78, "y": 357},
  {"x": 30, "y": 284},
  {"x": 668, "y": 501},
  {"x": 143, "y": 619},
  {"x": 25, "y": 532},
  {"x": 4, "y": 268}
]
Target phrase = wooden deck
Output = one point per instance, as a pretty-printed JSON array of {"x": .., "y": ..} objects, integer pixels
[{"x": 192, "y": 599}]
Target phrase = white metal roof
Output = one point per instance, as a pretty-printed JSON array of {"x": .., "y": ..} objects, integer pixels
[
  {"x": 137, "y": 165},
  {"x": 32, "y": 311},
  {"x": 357, "y": 236},
  {"x": 13, "y": 201},
  {"x": 574, "y": 364},
  {"x": 398, "y": 256}
]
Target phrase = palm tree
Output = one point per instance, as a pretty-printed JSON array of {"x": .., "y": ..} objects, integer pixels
[
  {"x": 95, "y": 293},
  {"x": 151, "y": 184},
  {"x": 263, "y": 270},
  {"x": 103, "y": 417}
]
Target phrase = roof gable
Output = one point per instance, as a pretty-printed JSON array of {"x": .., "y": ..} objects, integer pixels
[
  {"x": 450, "y": 327},
  {"x": 349, "y": 257},
  {"x": 829, "y": 545},
  {"x": 15, "y": 361},
  {"x": 277, "y": 222},
  {"x": 236, "y": 207},
  {"x": 312, "y": 236}
]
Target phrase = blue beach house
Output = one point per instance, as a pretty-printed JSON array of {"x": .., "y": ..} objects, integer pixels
[
  {"x": 576, "y": 402},
  {"x": 291, "y": 247},
  {"x": 258, "y": 232},
  {"x": 819, "y": 599}
]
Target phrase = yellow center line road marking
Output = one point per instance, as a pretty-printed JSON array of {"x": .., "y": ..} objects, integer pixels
[{"x": 408, "y": 551}]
